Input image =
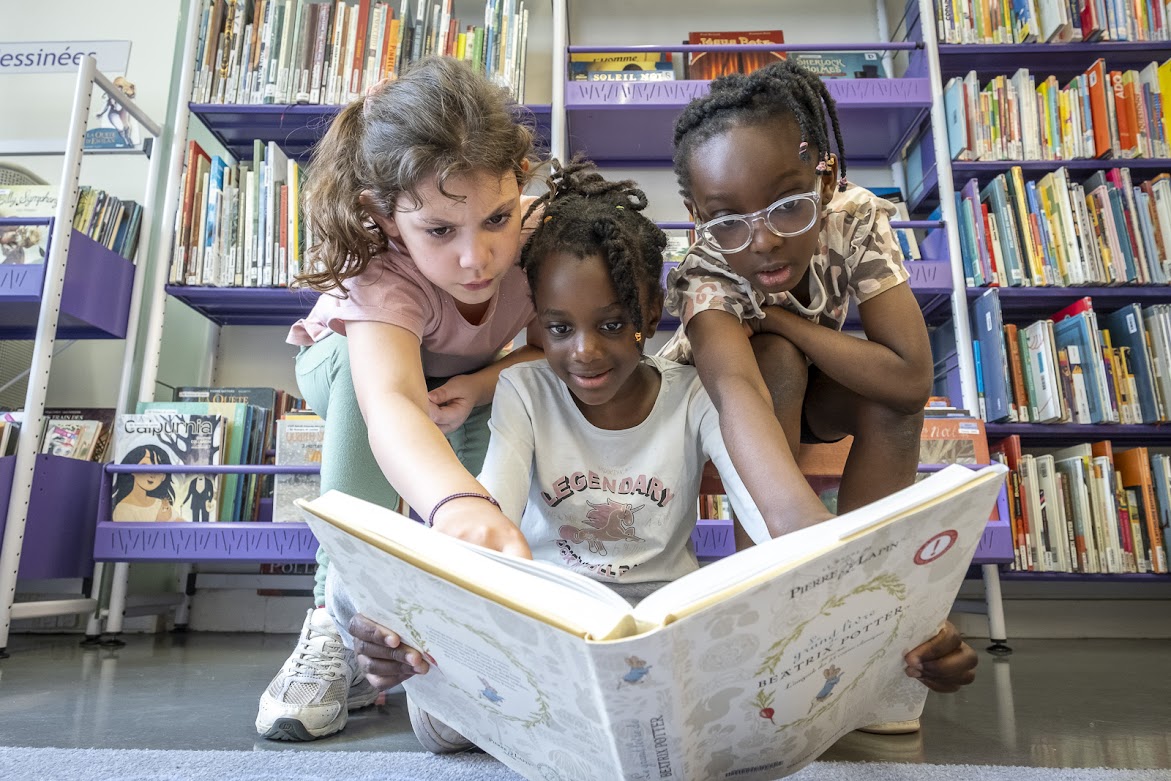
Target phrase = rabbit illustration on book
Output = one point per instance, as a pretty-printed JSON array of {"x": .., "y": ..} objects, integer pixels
[{"x": 638, "y": 670}]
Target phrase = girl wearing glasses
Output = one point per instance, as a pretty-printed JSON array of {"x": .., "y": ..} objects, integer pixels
[{"x": 784, "y": 241}]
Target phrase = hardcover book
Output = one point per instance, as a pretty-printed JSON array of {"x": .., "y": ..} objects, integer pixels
[
  {"x": 23, "y": 244},
  {"x": 748, "y": 668},
  {"x": 711, "y": 65},
  {"x": 167, "y": 439},
  {"x": 298, "y": 443}
]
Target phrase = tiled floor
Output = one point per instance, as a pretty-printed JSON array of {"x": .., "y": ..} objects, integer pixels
[{"x": 1058, "y": 703}]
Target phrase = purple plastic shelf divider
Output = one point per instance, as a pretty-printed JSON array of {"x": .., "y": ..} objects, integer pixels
[
  {"x": 95, "y": 300},
  {"x": 59, "y": 532},
  {"x": 296, "y": 128},
  {"x": 185, "y": 541},
  {"x": 713, "y": 538},
  {"x": 1060, "y": 59},
  {"x": 247, "y": 305},
  {"x": 630, "y": 123}
]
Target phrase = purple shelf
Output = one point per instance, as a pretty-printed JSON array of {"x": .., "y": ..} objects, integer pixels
[
  {"x": 262, "y": 542},
  {"x": 1029, "y": 303},
  {"x": 1075, "y": 433},
  {"x": 95, "y": 301},
  {"x": 748, "y": 47},
  {"x": 878, "y": 117},
  {"x": 1069, "y": 577},
  {"x": 296, "y": 128},
  {"x": 1063, "y": 60},
  {"x": 247, "y": 305},
  {"x": 59, "y": 531},
  {"x": 219, "y": 469}
]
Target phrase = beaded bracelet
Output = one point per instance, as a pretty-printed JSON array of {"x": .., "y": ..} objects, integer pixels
[{"x": 463, "y": 495}]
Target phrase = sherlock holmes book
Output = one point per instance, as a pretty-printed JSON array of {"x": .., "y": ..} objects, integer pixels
[{"x": 748, "y": 668}]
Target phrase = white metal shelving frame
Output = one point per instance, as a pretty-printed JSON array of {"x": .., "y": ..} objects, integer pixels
[{"x": 28, "y": 445}]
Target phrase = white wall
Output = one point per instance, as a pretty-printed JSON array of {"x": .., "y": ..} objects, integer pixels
[{"x": 87, "y": 374}]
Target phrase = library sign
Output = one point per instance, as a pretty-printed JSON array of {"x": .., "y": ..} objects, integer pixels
[{"x": 61, "y": 56}]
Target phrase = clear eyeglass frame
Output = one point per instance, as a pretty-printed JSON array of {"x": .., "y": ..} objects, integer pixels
[{"x": 704, "y": 230}]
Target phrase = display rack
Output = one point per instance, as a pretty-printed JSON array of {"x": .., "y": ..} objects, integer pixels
[{"x": 81, "y": 291}]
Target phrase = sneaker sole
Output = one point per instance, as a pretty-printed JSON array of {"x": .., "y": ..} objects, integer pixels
[{"x": 291, "y": 729}]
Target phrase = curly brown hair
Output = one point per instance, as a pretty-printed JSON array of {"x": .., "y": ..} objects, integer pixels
[{"x": 439, "y": 120}]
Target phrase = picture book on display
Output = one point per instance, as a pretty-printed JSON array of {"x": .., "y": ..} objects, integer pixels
[
  {"x": 748, "y": 668},
  {"x": 23, "y": 244},
  {"x": 167, "y": 439},
  {"x": 711, "y": 65}
]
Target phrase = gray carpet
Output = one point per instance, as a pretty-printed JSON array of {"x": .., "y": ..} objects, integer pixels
[{"x": 18, "y": 764}]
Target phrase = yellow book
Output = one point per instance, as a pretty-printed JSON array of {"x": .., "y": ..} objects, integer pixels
[
  {"x": 800, "y": 639},
  {"x": 1165, "y": 91},
  {"x": 460, "y": 42}
]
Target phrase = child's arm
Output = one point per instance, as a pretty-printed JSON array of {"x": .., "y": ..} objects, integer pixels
[
  {"x": 508, "y": 465},
  {"x": 412, "y": 452},
  {"x": 753, "y": 436},
  {"x": 892, "y": 366},
  {"x": 760, "y": 522},
  {"x": 452, "y": 402}
]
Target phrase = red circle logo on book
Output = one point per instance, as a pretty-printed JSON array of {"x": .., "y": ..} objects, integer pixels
[{"x": 936, "y": 547}]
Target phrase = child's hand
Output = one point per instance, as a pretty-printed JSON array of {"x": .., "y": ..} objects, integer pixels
[
  {"x": 945, "y": 662},
  {"x": 473, "y": 520},
  {"x": 450, "y": 404},
  {"x": 382, "y": 655}
]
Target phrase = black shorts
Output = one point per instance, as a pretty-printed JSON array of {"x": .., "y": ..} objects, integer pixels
[{"x": 807, "y": 435}]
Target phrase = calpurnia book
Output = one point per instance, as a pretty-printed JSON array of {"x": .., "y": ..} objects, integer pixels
[
  {"x": 167, "y": 440},
  {"x": 748, "y": 668}
]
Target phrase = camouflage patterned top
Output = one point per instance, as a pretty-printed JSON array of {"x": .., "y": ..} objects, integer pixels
[{"x": 858, "y": 257}]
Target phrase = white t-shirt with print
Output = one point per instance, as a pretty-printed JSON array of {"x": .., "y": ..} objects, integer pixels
[{"x": 617, "y": 506}]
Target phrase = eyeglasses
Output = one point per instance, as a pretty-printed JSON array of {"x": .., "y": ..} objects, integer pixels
[{"x": 790, "y": 216}]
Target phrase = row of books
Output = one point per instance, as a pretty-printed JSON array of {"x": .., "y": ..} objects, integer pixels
[
  {"x": 1100, "y": 113},
  {"x": 113, "y": 222},
  {"x": 1053, "y": 21},
  {"x": 1066, "y": 369},
  {"x": 70, "y": 433},
  {"x": 203, "y": 426},
  {"x": 305, "y": 51},
  {"x": 1088, "y": 508},
  {"x": 1056, "y": 231},
  {"x": 239, "y": 225}
]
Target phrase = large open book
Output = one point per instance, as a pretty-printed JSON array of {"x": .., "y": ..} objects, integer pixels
[{"x": 748, "y": 668}]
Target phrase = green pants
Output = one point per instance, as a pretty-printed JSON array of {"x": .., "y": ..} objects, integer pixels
[{"x": 347, "y": 464}]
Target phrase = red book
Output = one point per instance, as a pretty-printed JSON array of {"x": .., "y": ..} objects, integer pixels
[
  {"x": 1096, "y": 88},
  {"x": 710, "y": 65}
]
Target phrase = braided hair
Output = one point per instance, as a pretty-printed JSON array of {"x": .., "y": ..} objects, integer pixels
[
  {"x": 586, "y": 215},
  {"x": 780, "y": 89}
]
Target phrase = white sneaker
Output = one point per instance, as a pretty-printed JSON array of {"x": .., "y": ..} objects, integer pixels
[
  {"x": 436, "y": 737},
  {"x": 316, "y": 687},
  {"x": 892, "y": 727}
]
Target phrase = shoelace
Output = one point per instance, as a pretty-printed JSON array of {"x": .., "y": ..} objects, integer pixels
[{"x": 326, "y": 664}]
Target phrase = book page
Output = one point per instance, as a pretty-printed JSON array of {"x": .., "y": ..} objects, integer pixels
[
  {"x": 521, "y": 688},
  {"x": 769, "y": 676},
  {"x": 564, "y": 599},
  {"x": 729, "y": 576}
]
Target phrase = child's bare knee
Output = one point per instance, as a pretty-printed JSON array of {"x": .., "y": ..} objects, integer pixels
[
  {"x": 899, "y": 430},
  {"x": 782, "y": 365}
]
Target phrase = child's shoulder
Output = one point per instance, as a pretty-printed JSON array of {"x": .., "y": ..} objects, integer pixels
[
  {"x": 678, "y": 378},
  {"x": 857, "y": 204}
]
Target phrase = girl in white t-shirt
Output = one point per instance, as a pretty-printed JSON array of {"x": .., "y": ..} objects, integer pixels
[{"x": 415, "y": 197}]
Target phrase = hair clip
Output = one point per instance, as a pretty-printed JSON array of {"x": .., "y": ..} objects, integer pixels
[
  {"x": 637, "y": 334},
  {"x": 842, "y": 184},
  {"x": 547, "y": 219},
  {"x": 822, "y": 168},
  {"x": 803, "y": 150},
  {"x": 620, "y": 207}
]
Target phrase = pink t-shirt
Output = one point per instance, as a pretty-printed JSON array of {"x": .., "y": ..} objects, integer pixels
[{"x": 392, "y": 290}]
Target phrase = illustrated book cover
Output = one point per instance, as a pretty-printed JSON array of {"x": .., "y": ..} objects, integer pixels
[
  {"x": 167, "y": 439},
  {"x": 748, "y": 668}
]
